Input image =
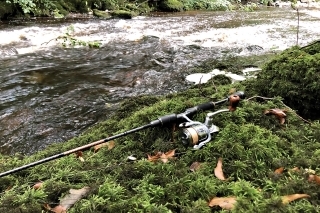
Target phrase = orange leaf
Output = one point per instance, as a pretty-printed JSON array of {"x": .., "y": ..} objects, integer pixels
[
  {"x": 279, "y": 170},
  {"x": 37, "y": 185},
  {"x": 170, "y": 154},
  {"x": 224, "y": 202},
  {"x": 79, "y": 155},
  {"x": 164, "y": 157},
  {"x": 288, "y": 198},
  {"x": 218, "y": 170},
  {"x": 278, "y": 113},
  {"x": 155, "y": 157},
  {"x": 195, "y": 166},
  {"x": 109, "y": 144},
  {"x": 314, "y": 178}
]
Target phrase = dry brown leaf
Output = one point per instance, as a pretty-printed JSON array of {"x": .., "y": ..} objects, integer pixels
[
  {"x": 195, "y": 166},
  {"x": 79, "y": 155},
  {"x": 314, "y": 178},
  {"x": 280, "y": 114},
  {"x": 109, "y": 144},
  {"x": 154, "y": 158},
  {"x": 279, "y": 170},
  {"x": 37, "y": 185},
  {"x": 227, "y": 203},
  {"x": 164, "y": 157},
  {"x": 73, "y": 196},
  {"x": 288, "y": 198},
  {"x": 218, "y": 170},
  {"x": 170, "y": 153}
]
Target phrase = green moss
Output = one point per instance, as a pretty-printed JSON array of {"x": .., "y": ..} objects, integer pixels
[
  {"x": 123, "y": 14},
  {"x": 101, "y": 14},
  {"x": 294, "y": 75},
  {"x": 171, "y": 6}
]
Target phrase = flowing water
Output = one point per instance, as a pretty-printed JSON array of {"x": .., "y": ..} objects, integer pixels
[{"x": 50, "y": 94}]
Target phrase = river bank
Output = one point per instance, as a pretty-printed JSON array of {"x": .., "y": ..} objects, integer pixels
[{"x": 50, "y": 93}]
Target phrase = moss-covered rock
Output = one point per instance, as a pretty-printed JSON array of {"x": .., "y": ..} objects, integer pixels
[
  {"x": 101, "y": 14},
  {"x": 123, "y": 14},
  {"x": 171, "y": 6},
  {"x": 294, "y": 75}
]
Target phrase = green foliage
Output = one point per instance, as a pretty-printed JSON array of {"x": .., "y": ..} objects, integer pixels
[
  {"x": 250, "y": 7},
  {"x": 294, "y": 75},
  {"x": 26, "y": 5},
  {"x": 213, "y": 5},
  {"x": 171, "y": 6}
]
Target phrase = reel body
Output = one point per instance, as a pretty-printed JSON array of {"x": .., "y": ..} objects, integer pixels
[{"x": 197, "y": 134}]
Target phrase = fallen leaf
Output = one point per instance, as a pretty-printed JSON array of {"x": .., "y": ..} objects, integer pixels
[
  {"x": 109, "y": 144},
  {"x": 170, "y": 154},
  {"x": 314, "y": 178},
  {"x": 224, "y": 202},
  {"x": 279, "y": 170},
  {"x": 164, "y": 157},
  {"x": 288, "y": 198},
  {"x": 69, "y": 200},
  {"x": 154, "y": 158},
  {"x": 75, "y": 195},
  {"x": 278, "y": 113},
  {"x": 79, "y": 155},
  {"x": 37, "y": 185},
  {"x": 218, "y": 170},
  {"x": 195, "y": 166}
]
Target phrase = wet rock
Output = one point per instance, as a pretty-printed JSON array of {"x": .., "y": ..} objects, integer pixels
[
  {"x": 101, "y": 14},
  {"x": 254, "y": 48},
  {"x": 8, "y": 51},
  {"x": 122, "y": 14}
]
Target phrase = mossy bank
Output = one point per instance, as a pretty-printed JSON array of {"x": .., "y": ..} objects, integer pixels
[{"x": 252, "y": 145}]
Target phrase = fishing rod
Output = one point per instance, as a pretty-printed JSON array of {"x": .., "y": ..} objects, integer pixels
[{"x": 194, "y": 132}]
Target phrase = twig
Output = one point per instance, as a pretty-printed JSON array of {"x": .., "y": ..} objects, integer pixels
[
  {"x": 266, "y": 98},
  {"x": 200, "y": 89},
  {"x": 59, "y": 37},
  {"x": 214, "y": 86}
]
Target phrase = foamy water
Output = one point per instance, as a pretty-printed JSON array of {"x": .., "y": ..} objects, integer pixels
[{"x": 208, "y": 30}]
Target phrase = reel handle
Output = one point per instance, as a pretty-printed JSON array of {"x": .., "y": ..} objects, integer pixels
[{"x": 174, "y": 118}]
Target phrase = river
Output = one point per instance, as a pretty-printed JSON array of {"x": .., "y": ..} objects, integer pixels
[{"x": 50, "y": 94}]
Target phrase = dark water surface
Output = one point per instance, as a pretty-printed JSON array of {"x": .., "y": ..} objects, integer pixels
[{"x": 50, "y": 94}]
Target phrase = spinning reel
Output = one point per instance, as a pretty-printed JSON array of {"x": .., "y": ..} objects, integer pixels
[{"x": 197, "y": 134}]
